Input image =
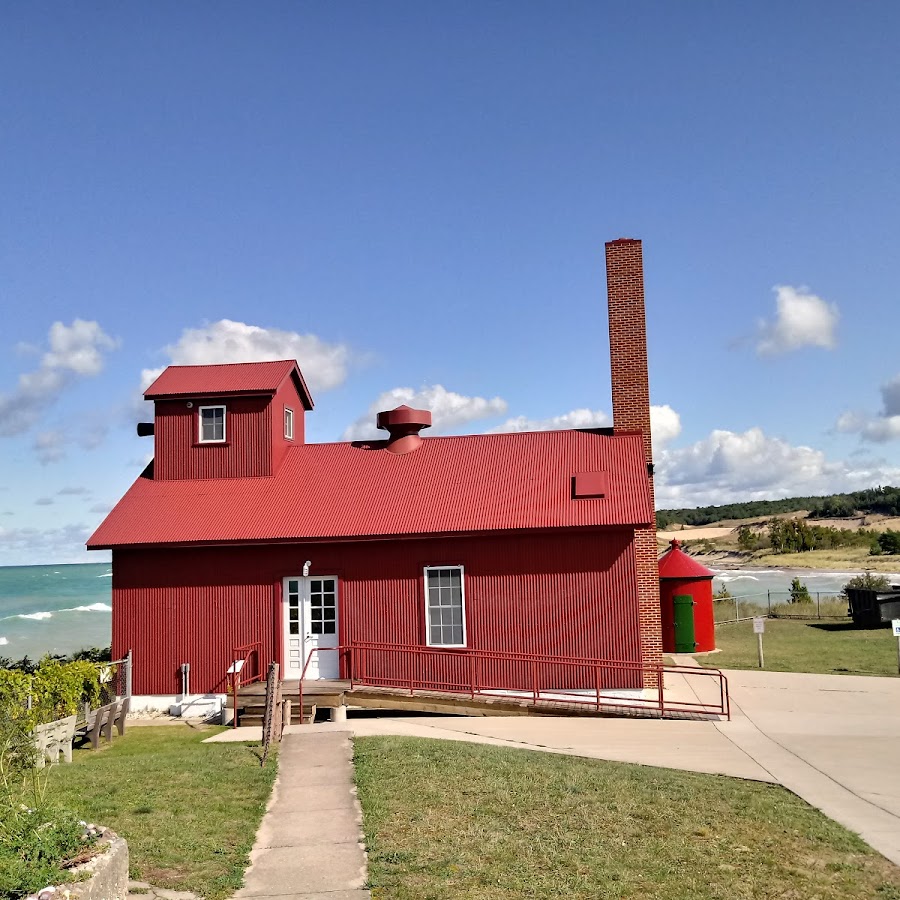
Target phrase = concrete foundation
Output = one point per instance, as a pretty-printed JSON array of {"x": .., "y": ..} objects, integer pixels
[{"x": 108, "y": 873}]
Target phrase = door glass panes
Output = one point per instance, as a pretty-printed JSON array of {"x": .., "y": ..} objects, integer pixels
[
  {"x": 323, "y": 606},
  {"x": 293, "y": 598},
  {"x": 445, "y": 606}
]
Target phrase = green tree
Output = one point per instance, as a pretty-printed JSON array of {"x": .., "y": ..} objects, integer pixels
[
  {"x": 799, "y": 592},
  {"x": 889, "y": 542},
  {"x": 746, "y": 538}
]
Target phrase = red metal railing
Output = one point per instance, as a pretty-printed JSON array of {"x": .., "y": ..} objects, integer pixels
[
  {"x": 242, "y": 672},
  {"x": 607, "y": 685}
]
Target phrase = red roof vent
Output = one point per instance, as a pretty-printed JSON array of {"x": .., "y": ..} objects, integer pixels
[
  {"x": 675, "y": 563},
  {"x": 404, "y": 425}
]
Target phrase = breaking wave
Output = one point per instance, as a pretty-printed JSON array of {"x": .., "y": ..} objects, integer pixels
[
  {"x": 36, "y": 616},
  {"x": 94, "y": 607}
]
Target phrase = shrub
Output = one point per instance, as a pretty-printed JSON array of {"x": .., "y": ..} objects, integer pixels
[
  {"x": 35, "y": 845},
  {"x": 15, "y": 689},
  {"x": 867, "y": 582},
  {"x": 799, "y": 592},
  {"x": 55, "y": 689},
  {"x": 37, "y": 837}
]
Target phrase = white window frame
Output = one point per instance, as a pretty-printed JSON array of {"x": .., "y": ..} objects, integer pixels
[
  {"x": 203, "y": 440},
  {"x": 462, "y": 597},
  {"x": 288, "y": 423}
]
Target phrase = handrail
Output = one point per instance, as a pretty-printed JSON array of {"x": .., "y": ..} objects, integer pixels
[
  {"x": 236, "y": 671},
  {"x": 359, "y": 671}
]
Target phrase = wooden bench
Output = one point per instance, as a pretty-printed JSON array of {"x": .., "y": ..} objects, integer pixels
[
  {"x": 53, "y": 739},
  {"x": 100, "y": 721}
]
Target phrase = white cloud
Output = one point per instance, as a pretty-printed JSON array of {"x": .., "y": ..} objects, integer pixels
[
  {"x": 78, "y": 347},
  {"x": 324, "y": 365},
  {"x": 448, "y": 410},
  {"x": 879, "y": 428},
  {"x": 665, "y": 423},
  {"x": 35, "y": 546},
  {"x": 76, "y": 351},
  {"x": 727, "y": 467},
  {"x": 577, "y": 418},
  {"x": 665, "y": 426},
  {"x": 44, "y": 501},
  {"x": 49, "y": 446},
  {"x": 74, "y": 491},
  {"x": 801, "y": 320}
]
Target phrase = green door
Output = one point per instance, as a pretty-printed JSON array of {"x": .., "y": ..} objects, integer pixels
[{"x": 684, "y": 623}]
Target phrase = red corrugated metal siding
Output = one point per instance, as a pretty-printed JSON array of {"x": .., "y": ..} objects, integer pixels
[
  {"x": 455, "y": 484},
  {"x": 173, "y": 610},
  {"x": 562, "y": 594},
  {"x": 286, "y": 396},
  {"x": 247, "y": 452}
]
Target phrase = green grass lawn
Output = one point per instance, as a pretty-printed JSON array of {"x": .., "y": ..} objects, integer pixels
[
  {"x": 447, "y": 820},
  {"x": 188, "y": 810},
  {"x": 818, "y": 646}
]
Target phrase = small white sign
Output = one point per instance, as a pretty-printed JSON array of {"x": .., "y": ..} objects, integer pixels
[
  {"x": 896, "y": 624},
  {"x": 759, "y": 625}
]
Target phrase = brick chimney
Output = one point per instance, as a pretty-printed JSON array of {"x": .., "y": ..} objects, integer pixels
[
  {"x": 631, "y": 412},
  {"x": 628, "y": 339}
]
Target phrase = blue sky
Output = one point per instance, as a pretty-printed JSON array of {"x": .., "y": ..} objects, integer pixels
[{"x": 413, "y": 199}]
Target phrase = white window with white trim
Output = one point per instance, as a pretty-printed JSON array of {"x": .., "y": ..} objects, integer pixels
[
  {"x": 288, "y": 423},
  {"x": 445, "y": 606},
  {"x": 211, "y": 422}
]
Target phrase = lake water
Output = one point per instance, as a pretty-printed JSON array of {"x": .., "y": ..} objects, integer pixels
[
  {"x": 54, "y": 609},
  {"x": 60, "y": 609},
  {"x": 758, "y": 583}
]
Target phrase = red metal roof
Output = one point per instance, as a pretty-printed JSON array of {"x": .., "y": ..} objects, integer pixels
[
  {"x": 675, "y": 563},
  {"x": 228, "y": 378},
  {"x": 345, "y": 491}
]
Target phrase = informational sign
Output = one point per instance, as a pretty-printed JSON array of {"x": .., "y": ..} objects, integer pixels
[
  {"x": 895, "y": 624},
  {"x": 759, "y": 625}
]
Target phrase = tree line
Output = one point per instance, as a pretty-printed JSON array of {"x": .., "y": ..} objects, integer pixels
[
  {"x": 879, "y": 500},
  {"x": 798, "y": 536}
]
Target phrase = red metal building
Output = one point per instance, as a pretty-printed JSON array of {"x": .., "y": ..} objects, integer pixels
[{"x": 239, "y": 532}]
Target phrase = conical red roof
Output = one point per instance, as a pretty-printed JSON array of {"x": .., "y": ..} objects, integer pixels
[{"x": 675, "y": 563}]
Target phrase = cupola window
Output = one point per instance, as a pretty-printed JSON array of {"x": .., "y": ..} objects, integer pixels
[{"x": 212, "y": 424}]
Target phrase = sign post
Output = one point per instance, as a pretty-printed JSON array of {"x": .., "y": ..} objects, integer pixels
[
  {"x": 895, "y": 624},
  {"x": 759, "y": 627}
]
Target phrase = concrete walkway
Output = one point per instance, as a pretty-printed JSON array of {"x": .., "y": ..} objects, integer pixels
[
  {"x": 832, "y": 739},
  {"x": 309, "y": 844}
]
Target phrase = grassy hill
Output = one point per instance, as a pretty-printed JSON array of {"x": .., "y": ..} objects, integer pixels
[
  {"x": 853, "y": 531},
  {"x": 882, "y": 501}
]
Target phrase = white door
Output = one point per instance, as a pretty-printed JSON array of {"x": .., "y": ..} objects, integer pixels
[{"x": 310, "y": 621}]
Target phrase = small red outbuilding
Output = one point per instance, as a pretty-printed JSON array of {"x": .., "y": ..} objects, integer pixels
[{"x": 686, "y": 604}]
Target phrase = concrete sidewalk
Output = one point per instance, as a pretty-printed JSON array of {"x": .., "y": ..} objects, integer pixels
[
  {"x": 309, "y": 844},
  {"x": 832, "y": 739}
]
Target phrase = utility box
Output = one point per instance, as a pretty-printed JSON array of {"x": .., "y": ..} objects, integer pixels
[{"x": 866, "y": 606}]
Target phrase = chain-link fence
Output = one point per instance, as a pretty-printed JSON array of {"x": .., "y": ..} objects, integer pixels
[
  {"x": 115, "y": 679},
  {"x": 781, "y": 605}
]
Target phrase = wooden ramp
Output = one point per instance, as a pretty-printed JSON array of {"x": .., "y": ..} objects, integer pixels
[{"x": 322, "y": 694}]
